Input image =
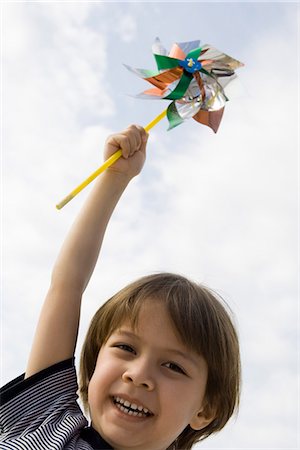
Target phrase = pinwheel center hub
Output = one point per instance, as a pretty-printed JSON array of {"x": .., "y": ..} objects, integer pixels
[{"x": 191, "y": 65}]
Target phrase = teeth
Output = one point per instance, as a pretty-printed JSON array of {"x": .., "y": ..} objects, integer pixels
[{"x": 135, "y": 410}]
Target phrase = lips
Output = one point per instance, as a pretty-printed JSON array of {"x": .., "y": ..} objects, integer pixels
[{"x": 132, "y": 408}]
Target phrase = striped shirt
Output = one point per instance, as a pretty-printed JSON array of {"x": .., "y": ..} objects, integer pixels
[{"x": 41, "y": 413}]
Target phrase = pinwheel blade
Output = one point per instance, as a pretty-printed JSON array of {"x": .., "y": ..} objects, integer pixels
[
  {"x": 158, "y": 48},
  {"x": 187, "y": 47},
  {"x": 210, "y": 118},
  {"x": 219, "y": 59}
]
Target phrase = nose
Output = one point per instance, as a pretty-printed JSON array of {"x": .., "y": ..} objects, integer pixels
[{"x": 139, "y": 374}]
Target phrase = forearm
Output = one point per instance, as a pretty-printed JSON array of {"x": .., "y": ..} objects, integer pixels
[{"x": 79, "y": 254}]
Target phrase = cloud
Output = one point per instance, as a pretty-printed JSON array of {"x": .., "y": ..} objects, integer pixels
[{"x": 127, "y": 28}]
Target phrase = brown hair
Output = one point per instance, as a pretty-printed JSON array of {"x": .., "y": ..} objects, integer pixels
[{"x": 203, "y": 322}]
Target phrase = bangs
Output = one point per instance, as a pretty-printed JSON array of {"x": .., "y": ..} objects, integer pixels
[{"x": 186, "y": 306}]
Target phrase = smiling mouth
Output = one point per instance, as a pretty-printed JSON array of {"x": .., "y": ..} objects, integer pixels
[{"x": 131, "y": 409}]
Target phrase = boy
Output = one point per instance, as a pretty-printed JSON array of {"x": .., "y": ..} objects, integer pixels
[{"x": 160, "y": 365}]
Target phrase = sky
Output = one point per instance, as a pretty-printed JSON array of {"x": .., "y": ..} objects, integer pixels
[{"x": 221, "y": 208}]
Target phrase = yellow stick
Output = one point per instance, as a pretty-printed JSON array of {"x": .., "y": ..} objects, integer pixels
[{"x": 104, "y": 166}]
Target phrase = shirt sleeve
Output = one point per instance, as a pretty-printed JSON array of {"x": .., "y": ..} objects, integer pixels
[{"x": 41, "y": 412}]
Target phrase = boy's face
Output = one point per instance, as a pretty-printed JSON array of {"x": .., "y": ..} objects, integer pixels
[{"x": 162, "y": 382}]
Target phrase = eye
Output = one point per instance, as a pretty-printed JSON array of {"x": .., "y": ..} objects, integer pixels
[
  {"x": 174, "y": 367},
  {"x": 125, "y": 347}
]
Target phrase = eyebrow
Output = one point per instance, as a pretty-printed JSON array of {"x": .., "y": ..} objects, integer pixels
[{"x": 184, "y": 355}]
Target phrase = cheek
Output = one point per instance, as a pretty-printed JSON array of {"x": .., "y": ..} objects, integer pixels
[
  {"x": 181, "y": 403},
  {"x": 98, "y": 390},
  {"x": 105, "y": 375},
  {"x": 94, "y": 391}
]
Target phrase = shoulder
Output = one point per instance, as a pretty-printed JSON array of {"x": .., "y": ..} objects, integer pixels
[
  {"x": 37, "y": 382},
  {"x": 42, "y": 411}
]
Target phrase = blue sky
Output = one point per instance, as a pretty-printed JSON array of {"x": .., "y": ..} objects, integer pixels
[{"x": 221, "y": 209}]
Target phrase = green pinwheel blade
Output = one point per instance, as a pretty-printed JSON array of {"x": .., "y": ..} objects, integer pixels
[
  {"x": 173, "y": 116},
  {"x": 166, "y": 62},
  {"x": 194, "y": 53},
  {"x": 181, "y": 87}
]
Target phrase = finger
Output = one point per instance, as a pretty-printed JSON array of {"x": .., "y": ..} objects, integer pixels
[
  {"x": 125, "y": 145},
  {"x": 135, "y": 138},
  {"x": 130, "y": 141},
  {"x": 119, "y": 141},
  {"x": 145, "y": 137}
]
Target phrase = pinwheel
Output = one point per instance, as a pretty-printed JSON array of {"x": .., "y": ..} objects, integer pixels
[{"x": 193, "y": 77}]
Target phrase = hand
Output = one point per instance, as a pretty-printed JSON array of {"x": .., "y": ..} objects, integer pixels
[{"x": 132, "y": 142}]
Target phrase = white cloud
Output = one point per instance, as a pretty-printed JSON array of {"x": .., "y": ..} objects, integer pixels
[{"x": 127, "y": 28}]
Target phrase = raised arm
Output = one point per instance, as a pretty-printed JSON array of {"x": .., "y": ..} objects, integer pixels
[{"x": 56, "y": 334}]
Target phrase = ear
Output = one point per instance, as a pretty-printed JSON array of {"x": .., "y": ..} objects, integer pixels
[{"x": 202, "y": 418}]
